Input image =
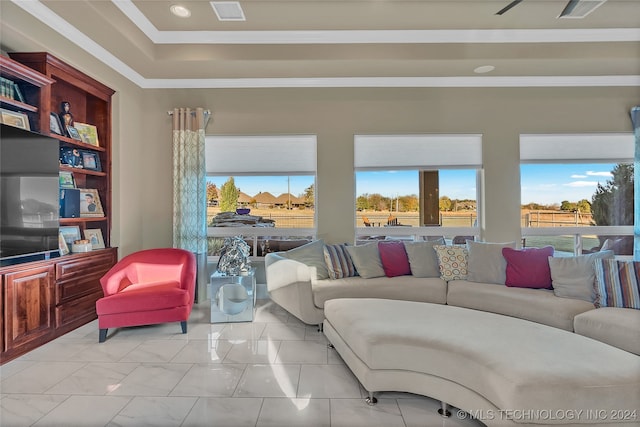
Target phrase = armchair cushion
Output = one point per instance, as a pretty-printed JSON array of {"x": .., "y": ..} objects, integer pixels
[{"x": 157, "y": 296}]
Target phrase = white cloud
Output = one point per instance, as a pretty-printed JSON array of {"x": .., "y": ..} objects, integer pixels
[
  {"x": 578, "y": 176},
  {"x": 592, "y": 173},
  {"x": 582, "y": 184}
]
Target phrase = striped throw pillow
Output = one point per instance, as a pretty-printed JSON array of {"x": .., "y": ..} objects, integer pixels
[
  {"x": 617, "y": 283},
  {"x": 338, "y": 261}
]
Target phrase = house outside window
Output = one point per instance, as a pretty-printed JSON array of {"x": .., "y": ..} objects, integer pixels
[{"x": 262, "y": 188}]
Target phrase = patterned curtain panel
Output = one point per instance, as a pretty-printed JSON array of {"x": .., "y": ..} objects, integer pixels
[
  {"x": 189, "y": 183},
  {"x": 635, "y": 120}
]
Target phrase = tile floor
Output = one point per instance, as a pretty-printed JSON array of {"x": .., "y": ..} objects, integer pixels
[{"x": 275, "y": 371}]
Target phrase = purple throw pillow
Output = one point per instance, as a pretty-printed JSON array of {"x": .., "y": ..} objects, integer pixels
[
  {"x": 529, "y": 267},
  {"x": 395, "y": 261}
]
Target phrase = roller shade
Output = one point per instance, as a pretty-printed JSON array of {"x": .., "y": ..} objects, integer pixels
[
  {"x": 261, "y": 155},
  {"x": 376, "y": 152},
  {"x": 577, "y": 148}
]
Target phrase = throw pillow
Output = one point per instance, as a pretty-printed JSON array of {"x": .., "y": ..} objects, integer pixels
[
  {"x": 486, "y": 262},
  {"x": 366, "y": 259},
  {"x": 574, "y": 277},
  {"x": 338, "y": 261},
  {"x": 422, "y": 258},
  {"x": 394, "y": 258},
  {"x": 528, "y": 268},
  {"x": 617, "y": 283},
  {"x": 311, "y": 254},
  {"x": 452, "y": 261}
]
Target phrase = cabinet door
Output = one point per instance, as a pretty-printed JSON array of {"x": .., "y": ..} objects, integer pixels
[{"x": 28, "y": 313}]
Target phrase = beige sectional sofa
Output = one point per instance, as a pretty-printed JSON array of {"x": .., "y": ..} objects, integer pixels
[{"x": 298, "y": 283}]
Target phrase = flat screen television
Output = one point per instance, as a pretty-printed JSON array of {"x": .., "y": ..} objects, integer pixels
[{"x": 29, "y": 195}]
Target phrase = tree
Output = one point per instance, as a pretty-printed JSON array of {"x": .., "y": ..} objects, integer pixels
[
  {"x": 229, "y": 196},
  {"x": 612, "y": 203},
  {"x": 362, "y": 202},
  {"x": 444, "y": 204},
  {"x": 212, "y": 192},
  {"x": 584, "y": 206},
  {"x": 567, "y": 206},
  {"x": 309, "y": 196}
]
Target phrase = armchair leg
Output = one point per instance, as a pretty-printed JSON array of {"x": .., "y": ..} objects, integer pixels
[
  {"x": 183, "y": 324},
  {"x": 103, "y": 335}
]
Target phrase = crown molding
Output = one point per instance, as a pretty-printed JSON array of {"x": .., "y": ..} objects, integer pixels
[{"x": 67, "y": 30}]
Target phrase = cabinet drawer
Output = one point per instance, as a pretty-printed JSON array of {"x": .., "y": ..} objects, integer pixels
[
  {"x": 98, "y": 263},
  {"x": 79, "y": 311}
]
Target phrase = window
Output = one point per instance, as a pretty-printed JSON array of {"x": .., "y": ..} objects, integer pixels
[
  {"x": 427, "y": 182},
  {"x": 261, "y": 187},
  {"x": 581, "y": 181}
]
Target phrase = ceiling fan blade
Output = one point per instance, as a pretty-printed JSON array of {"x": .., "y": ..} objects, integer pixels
[
  {"x": 569, "y": 7},
  {"x": 509, "y": 6}
]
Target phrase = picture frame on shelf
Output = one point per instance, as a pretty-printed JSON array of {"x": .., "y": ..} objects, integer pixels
[
  {"x": 67, "y": 180},
  {"x": 54, "y": 124},
  {"x": 88, "y": 133},
  {"x": 94, "y": 236},
  {"x": 73, "y": 133},
  {"x": 90, "y": 160},
  {"x": 15, "y": 119},
  {"x": 90, "y": 204},
  {"x": 63, "y": 247},
  {"x": 70, "y": 156},
  {"x": 70, "y": 233}
]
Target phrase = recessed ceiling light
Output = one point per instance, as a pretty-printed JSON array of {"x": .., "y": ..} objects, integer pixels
[
  {"x": 228, "y": 10},
  {"x": 484, "y": 69},
  {"x": 180, "y": 11}
]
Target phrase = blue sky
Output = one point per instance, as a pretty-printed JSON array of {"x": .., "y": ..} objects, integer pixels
[{"x": 544, "y": 184}]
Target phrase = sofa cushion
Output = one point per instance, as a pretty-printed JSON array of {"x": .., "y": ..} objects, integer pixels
[
  {"x": 528, "y": 268},
  {"x": 486, "y": 262},
  {"x": 619, "y": 327},
  {"x": 394, "y": 258},
  {"x": 537, "y": 305},
  {"x": 617, "y": 283},
  {"x": 422, "y": 258},
  {"x": 452, "y": 261},
  {"x": 312, "y": 255},
  {"x": 366, "y": 259},
  {"x": 425, "y": 289},
  {"x": 574, "y": 277},
  {"x": 338, "y": 261}
]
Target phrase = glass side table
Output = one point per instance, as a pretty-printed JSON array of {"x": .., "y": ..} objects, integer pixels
[{"x": 233, "y": 298}]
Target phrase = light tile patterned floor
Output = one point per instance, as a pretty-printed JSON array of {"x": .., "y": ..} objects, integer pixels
[{"x": 275, "y": 371}]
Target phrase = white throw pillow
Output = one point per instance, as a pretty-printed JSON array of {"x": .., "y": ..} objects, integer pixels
[
  {"x": 366, "y": 259},
  {"x": 574, "y": 277},
  {"x": 486, "y": 263},
  {"x": 311, "y": 254},
  {"x": 422, "y": 258}
]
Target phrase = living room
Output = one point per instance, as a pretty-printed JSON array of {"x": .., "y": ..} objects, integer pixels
[{"x": 335, "y": 112}]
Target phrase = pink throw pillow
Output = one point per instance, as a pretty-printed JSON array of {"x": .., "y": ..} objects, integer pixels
[
  {"x": 395, "y": 261},
  {"x": 529, "y": 267}
]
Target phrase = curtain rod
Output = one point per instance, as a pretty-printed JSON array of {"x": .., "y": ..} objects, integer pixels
[{"x": 206, "y": 112}]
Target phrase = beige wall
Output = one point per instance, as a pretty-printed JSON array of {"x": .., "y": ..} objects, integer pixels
[{"x": 142, "y": 181}]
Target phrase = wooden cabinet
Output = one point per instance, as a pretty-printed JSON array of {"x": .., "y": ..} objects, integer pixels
[
  {"x": 46, "y": 299},
  {"x": 28, "y": 308},
  {"x": 42, "y": 300},
  {"x": 90, "y": 103},
  {"x": 34, "y": 89},
  {"x": 78, "y": 287}
]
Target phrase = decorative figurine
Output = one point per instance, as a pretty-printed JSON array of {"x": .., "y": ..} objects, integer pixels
[{"x": 66, "y": 117}]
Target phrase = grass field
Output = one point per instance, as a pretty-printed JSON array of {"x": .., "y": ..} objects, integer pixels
[{"x": 303, "y": 218}]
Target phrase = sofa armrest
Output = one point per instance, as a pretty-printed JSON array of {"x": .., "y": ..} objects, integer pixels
[{"x": 281, "y": 271}]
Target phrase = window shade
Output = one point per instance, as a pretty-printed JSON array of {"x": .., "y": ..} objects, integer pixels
[
  {"x": 261, "y": 155},
  {"x": 577, "y": 148},
  {"x": 417, "y": 151}
]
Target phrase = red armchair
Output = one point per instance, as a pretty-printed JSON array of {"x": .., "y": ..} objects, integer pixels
[{"x": 148, "y": 287}]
